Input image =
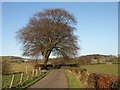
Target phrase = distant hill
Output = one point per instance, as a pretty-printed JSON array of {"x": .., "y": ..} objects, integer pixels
[
  {"x": 98, "y": 56},
  {"x": 11, "y": 58}
]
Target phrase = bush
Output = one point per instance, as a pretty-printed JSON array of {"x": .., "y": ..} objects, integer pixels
[
  {"x": 84, "y": 60},
  {"x": 92, "y": 80},
  {"x": 6, "y": 67},
  {"x": 84, "y": 72},
  {"x": 115, "y": 84},
  {"x": 105, "y": 81}
]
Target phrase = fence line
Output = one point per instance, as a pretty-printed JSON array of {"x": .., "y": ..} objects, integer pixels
[
  {"x": 33, "y": 73},
  {"x": 25, "y": 76},
  {"x": 21, "y": 78},
  {"x": 12, "y": 81}
]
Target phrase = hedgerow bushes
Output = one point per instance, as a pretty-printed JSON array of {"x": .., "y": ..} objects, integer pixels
[
  {"x": 94, "y": 80},
  {"x": 105, "y": 81},
  {"x": 115, "y": 84},
  {"x": 6, "y": 67}
]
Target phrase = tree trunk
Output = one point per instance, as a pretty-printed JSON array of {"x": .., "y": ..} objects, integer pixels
[
  {"x": 46, "y": 56},
  {"x": 45, "y": 64},
  {"x": 36, "y": 61}
]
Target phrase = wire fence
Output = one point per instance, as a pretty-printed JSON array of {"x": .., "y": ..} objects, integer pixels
[{"x": 13, "y": 80}]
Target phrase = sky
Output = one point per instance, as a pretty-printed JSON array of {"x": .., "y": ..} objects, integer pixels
[{"x": 97, "y": 27}]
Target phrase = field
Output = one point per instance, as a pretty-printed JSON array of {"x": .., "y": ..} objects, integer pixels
[
  {"x": 110, "y": 69},
  {"x": 21, "y": 67}
]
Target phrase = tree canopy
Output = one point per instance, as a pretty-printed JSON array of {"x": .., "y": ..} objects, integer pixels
[{"x": 49, "y": 31}]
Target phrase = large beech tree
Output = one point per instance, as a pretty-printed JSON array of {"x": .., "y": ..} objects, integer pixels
[{"x": 49, "y": 31}]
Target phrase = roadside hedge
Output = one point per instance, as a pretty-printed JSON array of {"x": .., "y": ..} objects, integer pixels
[{"x": 94, "y": 80}]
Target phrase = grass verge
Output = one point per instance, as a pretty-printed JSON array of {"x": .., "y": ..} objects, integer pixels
[
  {"x": 72, "y": 80},
  {"x": 32, "y": 81}
]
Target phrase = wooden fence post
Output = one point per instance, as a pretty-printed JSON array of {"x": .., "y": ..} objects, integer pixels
[
  {"x": 27, "y": 76},
  {"x": 36, "y": 72},
  {"x": 33, "y": 73},
  {"x": 39, "y": 69},
  {"x": 21, "y": 78},
  {"x": 26, "y": 69},
  {"x": 12, "y": 81}
]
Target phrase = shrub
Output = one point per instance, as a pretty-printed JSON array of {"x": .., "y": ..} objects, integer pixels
[
  {"x": 6, "y": 67},
  {"x": 95, "y": 80},
  {"x": 84, "y": 72},
  {"x": 115, "y": 84},
  {"x": 92, "y": 80},
  {"x": 105, "y": 81},
  {"x": 76, "y": 71}
]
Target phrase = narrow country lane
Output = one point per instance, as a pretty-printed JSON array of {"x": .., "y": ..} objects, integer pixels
[{"x": 55, "y": 79}]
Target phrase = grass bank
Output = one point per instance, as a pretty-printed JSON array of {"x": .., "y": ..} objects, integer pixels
[
  {"x": 7, "y": 78},
  {"x": 72, "y": 80},
  {"x": 32, "y": 81}
]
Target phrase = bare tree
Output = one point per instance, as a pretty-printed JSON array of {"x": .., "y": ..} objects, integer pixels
[{"x": 49, "y": 31}]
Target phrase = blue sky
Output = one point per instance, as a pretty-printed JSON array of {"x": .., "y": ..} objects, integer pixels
[{"x": 97, "y": 27}]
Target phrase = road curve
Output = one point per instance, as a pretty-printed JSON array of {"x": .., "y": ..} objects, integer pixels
[{"x": 55, "y": 79}]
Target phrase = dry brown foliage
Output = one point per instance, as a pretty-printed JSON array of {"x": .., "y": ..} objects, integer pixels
[{"x": 50, "y": 30}]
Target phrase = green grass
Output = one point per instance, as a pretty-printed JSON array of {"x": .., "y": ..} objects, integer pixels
[
  {"x": 110, "y": 69},
  {"x": 72, "y": 80},
  {"x": 21, "y": 67},
  {"x": 6, "y": 79},
  {"x": 32, "y": 81}
]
